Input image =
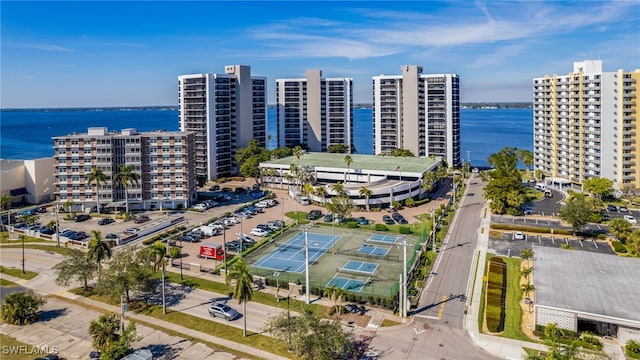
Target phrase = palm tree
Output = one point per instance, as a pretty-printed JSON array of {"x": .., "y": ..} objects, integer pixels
[
  {"x": 336, "y": 295},
  {"x": 288, "y": 177},
  {"x": 527, "y": 288},
  {"x": 104, "y": 331},
  {"x": 366, "y": 193},
  {"x": 160, "y": 252},
  {"x": 322, "y": 192},
  {"x": 526, "y": 254},
  {"x": 298, "y": 152},
  {"x": 5, "y": 202},
  {"x": 307, "y": 189},
  {"x": 127, "y": 177},
  {"x": 338, "y": 188},
  {"x": 348, "y": 160},
  {"x": 242, "y": 291},
  {"x": 98, "y": 177},
  {"x": 305, "y": 175},
  {"x": 526, "y": 272},
  {"x": 98, "y": 250},
  {"x": 293, "y": 170}
]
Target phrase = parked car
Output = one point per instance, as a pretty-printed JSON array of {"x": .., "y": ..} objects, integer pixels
[
  {"x": 314, "y": 215},
  {"x": 402, "y": 220},
  {"x": 518, "y": 235},
  {"x": 223, "y": 310},
  {"x": 388, "y": 220},
  {"x": 112, "y": 237},
  {"x": 259, "y": 232},
  {"x": 200, "y": 207},
  {"x": 396, "y": 215},
  {"x": 623, "y": 209},
  {"x": 328, "y": 217},
  {"x": 66, "y": 232},
  {"x": 214, "y": 188},
  {"x": 188, "y": 238},
  {"x": 612, "y": 208},
  {"x": 131, "y": 231},
  {"x": 631, "y": 219},
  {"x": 141, "y": 219},
  {"x": 363, "y": 221},
  {"x": 78, "y": 236},
  {"x": 81, "y": 217},
  {"x": 47, "y": 231},
  {"x": 105, "y": 221},
  {"x": 40, "y": 210}
]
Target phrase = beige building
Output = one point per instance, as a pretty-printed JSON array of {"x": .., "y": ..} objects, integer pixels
[
  {"x": 163, "y": 161},
  {"x": 585, "y": 125},
  {"x": 225, "y": 111},
  {"x": 417, "y": 112},
  {"x": 28, "y": 181},
  {"x": 315, "y": 111}
]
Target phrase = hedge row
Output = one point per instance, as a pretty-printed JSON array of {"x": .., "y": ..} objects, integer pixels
[
  {"x": 618, "y": 247},
  {"x": 496, "y": 282},
  {"x": 386, "y": 302}
]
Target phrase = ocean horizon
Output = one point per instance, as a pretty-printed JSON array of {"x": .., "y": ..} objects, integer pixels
[{"x": 27, "y": 133}]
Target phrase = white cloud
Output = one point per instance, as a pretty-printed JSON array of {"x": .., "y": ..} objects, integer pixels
[{"x": 44, "y": 47}]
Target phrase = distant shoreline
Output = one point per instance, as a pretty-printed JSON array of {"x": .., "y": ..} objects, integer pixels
[{"x": 474, "y": 105}]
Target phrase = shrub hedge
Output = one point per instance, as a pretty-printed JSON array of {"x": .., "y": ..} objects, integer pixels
[
  {"x": 531, "y": 229},
  {"x": 380, "y": 227},
  {"x": 618, "y": 247},
  {"x": 496, "y": 296}
]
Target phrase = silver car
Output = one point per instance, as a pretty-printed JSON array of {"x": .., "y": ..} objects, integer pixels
[{"x": 223, "y": 310}]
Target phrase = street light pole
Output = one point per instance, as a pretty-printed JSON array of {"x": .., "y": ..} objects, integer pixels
[
  {"x": 57, "y": 227},
  {"x": 23, "y": 272},
  {"x": 277, "y": 276},
  {"x": 181, "y": 278},
  {"x": 403, "y": 242},
  {"x": 306, "y": 262},
  {"x": 224, "y": 243}
]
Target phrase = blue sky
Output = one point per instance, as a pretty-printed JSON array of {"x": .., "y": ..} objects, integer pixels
[{"x": 86, "y": 54}]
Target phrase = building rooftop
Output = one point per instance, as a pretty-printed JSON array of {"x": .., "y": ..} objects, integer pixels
[
  {"x": 587, "y": 282},
  {"x": 365, "y": 162}
]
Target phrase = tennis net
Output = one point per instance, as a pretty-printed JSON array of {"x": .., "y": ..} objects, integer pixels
[{"x": 290, "y": 246}]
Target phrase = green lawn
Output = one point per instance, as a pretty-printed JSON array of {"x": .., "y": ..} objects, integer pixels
[
  {"x": 301, "y": 216},
  {"x": 513, "y": 318},
  {"x": 4, "y": 239},
  {"x": 60, "y": 250},
  {"x": 7, "y": 283},
  {"x": 28, "y": 275},
  {"x": 10, "y": 344}
]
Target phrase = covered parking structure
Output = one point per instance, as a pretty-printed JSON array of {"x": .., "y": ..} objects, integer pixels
[
  {"x": 587, "y": 291},
  {"x": 390, "y": 178}
]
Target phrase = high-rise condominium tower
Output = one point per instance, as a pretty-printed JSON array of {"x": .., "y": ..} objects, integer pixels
[
  {"x": 163, "y": 160},
  {"x": 417, "y": 112},
  {"x": 315, "y": 111},
  {"x": 225, "y": 111},
  {"x": 586, "y": 125}
]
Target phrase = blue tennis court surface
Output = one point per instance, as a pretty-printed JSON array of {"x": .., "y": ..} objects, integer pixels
[
  {"x": 359, "y": 267},
  {"x": 382, "y": 238},
  {"x": 373, "y": 250},
  {"x": 289, "y": 256},
  {"x": 346, "y": 284}
]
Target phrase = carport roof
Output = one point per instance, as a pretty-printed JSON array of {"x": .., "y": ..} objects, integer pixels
[{"x": 589, "y": 282}]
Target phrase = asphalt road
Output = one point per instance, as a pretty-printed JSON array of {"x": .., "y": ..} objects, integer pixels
[{"x": 436, "y": 331}]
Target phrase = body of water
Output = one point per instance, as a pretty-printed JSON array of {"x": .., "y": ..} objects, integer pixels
[{"x": 26, "y": 134}]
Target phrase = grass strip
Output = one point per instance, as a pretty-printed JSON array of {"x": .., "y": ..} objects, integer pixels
[
  {"x": 168, "y": 331},
  {"x": 60, "y": 250},
  {"x": 258, "y": 297},
  {"x": 7, "y": 283},
  {"x": 387, "y": 323},
  {"x": 4, "y": 239},
  {"x": 12, "y": 349},
  {"x": 513, "y": 318},
  {"x": 28, "y": 275}
]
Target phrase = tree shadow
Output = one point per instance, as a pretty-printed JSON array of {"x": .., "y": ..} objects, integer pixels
[
  {"x": 47, "y": 315},
  {"x": 174, "y": 293},
  {"x": 164, "y": 351}
]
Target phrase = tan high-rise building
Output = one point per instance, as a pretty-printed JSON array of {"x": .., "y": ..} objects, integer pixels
[
  {"x": 315, "y": 111},
  {"x": 586, "y": 125},
  {"x": 164, "y": 161},
  {"x": 225, "y": 111},
  {"x": 417, "y": 112}
]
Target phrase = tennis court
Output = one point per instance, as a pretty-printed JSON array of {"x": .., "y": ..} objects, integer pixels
[
  {"x": 289, "y": 256},
  {"x": 361, "y": 267},
  {"x": 383, "y": 238},
  {"x": 352, "y": 285},
  {"x": 367, "y": 249}
]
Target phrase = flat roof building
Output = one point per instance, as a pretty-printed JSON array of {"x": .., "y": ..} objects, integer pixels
[
  {"x": 390, "y": 178},
  {"x": 417, "y": 112},
  {"x": 587, "y": 291},
  {"x": 225, "y": 111},
  {"x": 315, "y": 111},
  {"x": 585, "y": 125},
  {"x": 163, "y": 160}
]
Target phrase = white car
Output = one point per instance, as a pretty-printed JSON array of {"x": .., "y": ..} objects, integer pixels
[
  {"x": 631, "y": 219},
  {"x": 259, "y": 232},
  {"x": 518, "y": 235}
]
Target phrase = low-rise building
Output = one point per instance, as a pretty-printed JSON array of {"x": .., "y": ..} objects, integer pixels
[{"x": 27, "y": 181}]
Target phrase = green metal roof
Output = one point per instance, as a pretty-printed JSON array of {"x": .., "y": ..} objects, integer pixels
[{"x": 365, "y": 162}]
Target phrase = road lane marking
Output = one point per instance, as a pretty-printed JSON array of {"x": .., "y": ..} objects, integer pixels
[{"x": 444, "y": 297}]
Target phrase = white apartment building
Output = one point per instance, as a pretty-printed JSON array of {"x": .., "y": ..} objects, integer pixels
[
  {"x": 417, "y": 112},
  {"x": 315, "y": 111},
  {"x": 225, "y": 111},
  {"x": 585, "y": 125},
  {"x": 163, "y": 160},
  {"x": 27, "y": 181}
]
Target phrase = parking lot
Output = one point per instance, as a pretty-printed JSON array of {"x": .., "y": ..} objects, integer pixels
[{"x": 507, "y": 245}]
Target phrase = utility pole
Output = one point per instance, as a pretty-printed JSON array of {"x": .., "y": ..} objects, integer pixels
[
  {"x": 22, "y": 236},
  {"x": 402, "y": 241},
  {"x": 306, "y": 263},
  {"x": 57, "y": 226}
]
